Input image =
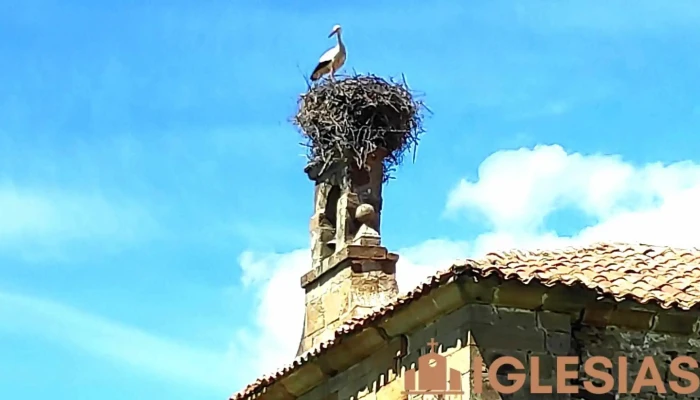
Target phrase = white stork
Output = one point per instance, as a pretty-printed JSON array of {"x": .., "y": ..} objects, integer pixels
[{"x": 332, "y": 60}]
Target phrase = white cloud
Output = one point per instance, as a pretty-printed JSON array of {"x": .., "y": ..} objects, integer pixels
[
  {"x": 417, "y": 262},
  {"x": 279, "y": 300},
  {"x": 518, "y": 189},
  {"x": 515, "y": 192},
  {"x": 35, "y": 317},
  {"x": 40, "y": 223}
]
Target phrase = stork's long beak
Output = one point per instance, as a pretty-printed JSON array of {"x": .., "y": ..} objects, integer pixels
[{"x": 331, "y": 34}]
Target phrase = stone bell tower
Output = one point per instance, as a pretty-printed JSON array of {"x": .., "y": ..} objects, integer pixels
[
  {"x": 351, "y": 273},
  {"x": 357, "y": 128}
]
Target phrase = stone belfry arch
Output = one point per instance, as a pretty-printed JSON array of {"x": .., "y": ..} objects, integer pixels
[{"x": 351, "y": 272}]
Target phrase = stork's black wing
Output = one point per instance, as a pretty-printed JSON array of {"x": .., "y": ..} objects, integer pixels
[{"x": 317, "y": 71}]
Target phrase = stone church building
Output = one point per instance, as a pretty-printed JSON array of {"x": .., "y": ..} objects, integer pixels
[{"x": 364, "y": 340}]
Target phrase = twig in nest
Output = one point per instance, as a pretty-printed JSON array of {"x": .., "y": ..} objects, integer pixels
[{"x": 355, "y": 116}]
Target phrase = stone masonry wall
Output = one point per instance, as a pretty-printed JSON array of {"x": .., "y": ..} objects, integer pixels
[
  {"x": 343, "y": 293},
  {"x": 634, "y": 345},
  {"x": 489, "y": 332},
  {"x": 324, "y": 306},
  {"x": 469, "y": 331}
]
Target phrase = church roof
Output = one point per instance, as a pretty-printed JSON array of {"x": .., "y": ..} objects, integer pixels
[{"x": 668, "y": 277}]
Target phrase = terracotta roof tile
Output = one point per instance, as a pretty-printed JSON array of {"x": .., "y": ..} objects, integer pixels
[{"x": 667, "y": 276}]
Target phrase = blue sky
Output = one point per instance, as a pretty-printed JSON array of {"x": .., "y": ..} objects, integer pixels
[{"x": 153, "y": 208}]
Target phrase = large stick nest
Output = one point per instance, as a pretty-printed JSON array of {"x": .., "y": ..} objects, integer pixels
[{"x": 347, "y": 120}]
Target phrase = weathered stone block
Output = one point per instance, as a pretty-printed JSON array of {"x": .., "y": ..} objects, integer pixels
[
  {"x": 478, "y": 290},
  {"x": 345, "y": 223},
  {"x": 516, "y": 318},
  {"x": 461, "y": 318},
  {"x": 481, "y": 313},
  {"x": 453, "y": 321},
  {"x": 355, "y": 252},
  {"x": 505, "y": 337},
  {"x": 448, "y": 297},
  {"x": 676, "y": 323},
  {"x": 320, "y": 392},
  {"x": 634, "y": 345},
  {"x": 633, "y": 319},
  {"x": 568, "y": 299},
  {"x": 314, "y": 317},
  {"x": 351, "y": 384},
  {"x": 516, "y": 294},
  {"x": 558, "y": 343},
  {"x": 547, "y": 365},
  {"x": 598, "y": 315},
  {"x": 387, "y": 284},
  {"x": 421, "y": 312},
  {"x": 335, "y": 303},
  {"x": 490, "y": 355},
  {"x": 299, "y": 381},
  {"x": 553, "y": 321}
]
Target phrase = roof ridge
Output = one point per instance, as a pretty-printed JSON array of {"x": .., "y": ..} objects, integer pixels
[{"x": 537, "y": 251}]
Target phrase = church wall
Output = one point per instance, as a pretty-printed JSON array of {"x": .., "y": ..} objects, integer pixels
[
  {"x": 634, "y": 345},
  {"x": 469, "y": 331},
  {"x": 489, "y": 332}
]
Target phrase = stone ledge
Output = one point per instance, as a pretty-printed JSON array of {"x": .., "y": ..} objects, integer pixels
[{"x": 350, "y": 252}]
